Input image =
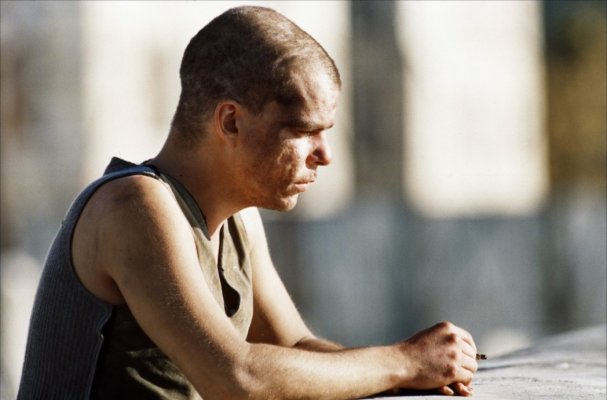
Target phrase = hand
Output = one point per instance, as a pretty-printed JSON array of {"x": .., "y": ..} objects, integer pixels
[{"x": 443, "y": 356}]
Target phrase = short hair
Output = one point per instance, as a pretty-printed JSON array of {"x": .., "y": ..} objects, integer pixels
[{"x": 248, "y": 54}]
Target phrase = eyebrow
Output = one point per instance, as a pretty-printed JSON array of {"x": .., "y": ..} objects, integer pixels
[{"x": 304, "y": 125}]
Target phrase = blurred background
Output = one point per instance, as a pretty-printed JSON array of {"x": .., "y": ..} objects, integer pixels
[{"x": 468, "y": 180}]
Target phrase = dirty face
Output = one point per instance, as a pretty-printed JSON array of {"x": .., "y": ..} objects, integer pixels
[{"x": 283, "y": 146}]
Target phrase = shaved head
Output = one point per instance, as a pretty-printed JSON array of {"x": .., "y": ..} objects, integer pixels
[{"x": 250, "y": 55}]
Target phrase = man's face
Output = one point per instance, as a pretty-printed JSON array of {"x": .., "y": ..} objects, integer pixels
[{"x": 284, "y": 146}]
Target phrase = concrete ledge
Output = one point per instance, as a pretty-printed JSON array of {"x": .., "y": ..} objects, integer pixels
[{"x": 566, "y": 366}]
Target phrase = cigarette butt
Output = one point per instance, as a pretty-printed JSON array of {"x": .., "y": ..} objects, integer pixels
[{"x": 481, "y": 357}]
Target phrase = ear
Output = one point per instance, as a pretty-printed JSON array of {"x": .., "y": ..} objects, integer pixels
[{"x": 224, "y": 119}]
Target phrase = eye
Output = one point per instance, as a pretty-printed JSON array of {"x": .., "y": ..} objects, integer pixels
[
  {"x": 311, "y": 133},
  {"x": 301, "y": 133}
]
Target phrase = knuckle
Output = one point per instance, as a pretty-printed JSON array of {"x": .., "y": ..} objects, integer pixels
[
  {"x": 445, "y": 324},
  {"x": 451, "y": 338},
  {"x": 449, "y": 373}
]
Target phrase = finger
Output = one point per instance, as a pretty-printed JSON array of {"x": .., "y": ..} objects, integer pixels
[
  {"x": 469, "y": 363},
  {"x": 466, "y": 337},
  {"x": 468, "y": 350},
  {"x": 445, "y": 391},
  {"x": 461, "y": 390},
  {"x": 468, "y": 360},
  {"x": 465, "y": 371}
]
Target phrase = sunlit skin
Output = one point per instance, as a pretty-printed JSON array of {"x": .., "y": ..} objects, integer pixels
[
  {"x": 133, "y": 245},
  {"x": 256, "y": 160},
  {"x": 285, "y": 146}
]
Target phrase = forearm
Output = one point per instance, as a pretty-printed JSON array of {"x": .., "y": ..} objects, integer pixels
[
  {"x": 272, "y": 372},
  {"x": 316, "y": 344}
]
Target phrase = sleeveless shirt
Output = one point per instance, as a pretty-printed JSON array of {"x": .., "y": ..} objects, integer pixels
[{"x": 80, "y": 347}]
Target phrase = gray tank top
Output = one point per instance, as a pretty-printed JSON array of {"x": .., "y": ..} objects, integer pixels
[{"x": 80, "y": 347}]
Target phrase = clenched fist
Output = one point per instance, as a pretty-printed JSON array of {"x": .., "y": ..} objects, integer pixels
[{"x": 442, "y": 357}]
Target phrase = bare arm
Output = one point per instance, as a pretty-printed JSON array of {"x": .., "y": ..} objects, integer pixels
[
  {"x": 277, "y": 321},
  {"x": 152, "y": 259},
  {"x": 275, "y": 317}
]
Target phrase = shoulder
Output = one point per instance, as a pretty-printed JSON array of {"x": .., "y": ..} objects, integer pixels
[
  {"x": 134, "y": 211},
  {"x": 128, "y": 188},
  {"x": 130, "y": 196},
  {"x": 253, "y": 225},
  {"x": 125, "y": 219}
]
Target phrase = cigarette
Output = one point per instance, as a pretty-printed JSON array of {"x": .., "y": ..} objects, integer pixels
[{"x": 481, "y": 357}]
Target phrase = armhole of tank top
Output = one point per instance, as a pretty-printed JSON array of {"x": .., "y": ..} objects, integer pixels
[{"x": 94, "y": 187}]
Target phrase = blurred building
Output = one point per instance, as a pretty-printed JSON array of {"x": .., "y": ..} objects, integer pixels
[{"x": 469, "y": 170}]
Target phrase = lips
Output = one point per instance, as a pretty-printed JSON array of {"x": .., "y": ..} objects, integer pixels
[{"x": 301, "y": 186}]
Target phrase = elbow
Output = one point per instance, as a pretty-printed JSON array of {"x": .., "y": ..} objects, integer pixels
[
  {"x": 252, "y": 381},
  {"x": 244, "y": 379}
]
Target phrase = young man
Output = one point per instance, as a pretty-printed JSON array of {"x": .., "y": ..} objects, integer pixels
[{"x": 159, "y": 283}]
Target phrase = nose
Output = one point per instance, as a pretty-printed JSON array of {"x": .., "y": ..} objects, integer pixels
[{"x": 321, "y": 151}]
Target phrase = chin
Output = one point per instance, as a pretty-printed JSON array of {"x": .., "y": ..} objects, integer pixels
[{"x": 284, "y": 204}]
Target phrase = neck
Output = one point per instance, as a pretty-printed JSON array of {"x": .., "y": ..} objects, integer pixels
[{"x": 204, "y": 177}]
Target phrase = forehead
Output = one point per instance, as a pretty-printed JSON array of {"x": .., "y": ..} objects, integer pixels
[{"x": 317, "y": 101}]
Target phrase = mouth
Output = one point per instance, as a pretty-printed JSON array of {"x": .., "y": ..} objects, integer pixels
[{"x": 302, "y": 186}]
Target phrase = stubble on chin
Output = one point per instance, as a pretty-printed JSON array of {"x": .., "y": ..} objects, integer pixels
[{"x": 282, "y": 204}]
